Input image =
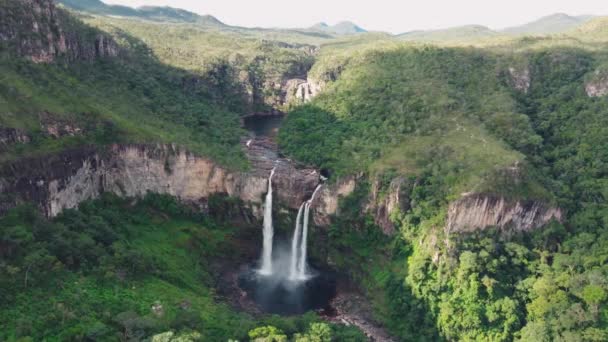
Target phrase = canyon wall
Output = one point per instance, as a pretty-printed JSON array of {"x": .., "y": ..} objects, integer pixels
[
  {"x": 477, "y": 211},
  {"x": 469, "y": 213},
  {"x": 58, "y": 182},
  {"x": 37, "y": 30}
]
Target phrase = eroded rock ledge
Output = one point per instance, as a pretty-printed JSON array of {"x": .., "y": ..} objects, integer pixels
[
  {"x": 478, "y": 211},
  {"x": 470, "y": 213},
  {"x": 63, "y": 181}
]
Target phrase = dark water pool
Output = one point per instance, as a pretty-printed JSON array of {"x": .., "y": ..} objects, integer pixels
[
  {"x": 277, "y": 295},
  {"x": 263, "y": 125}
]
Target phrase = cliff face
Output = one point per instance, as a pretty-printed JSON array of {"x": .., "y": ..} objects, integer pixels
[
  {"x": 598, "y": 86},
  {"x": 382, "y": 204},
  {"x": 11, "y": 136},
  {"x": 478, "y": 211},
  {"x": 298, "y": 91},
  {"x": 64, "y": 181},
  {"x": 325, "y": 204},
  {"x": 519, "y": 78},
  {"x": 40, "y": 32},
  {"x": 470, "y": 213}
]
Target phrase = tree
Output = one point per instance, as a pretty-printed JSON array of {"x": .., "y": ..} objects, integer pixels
[
  {"x": 317, "y": 332},
  {"x": 267, "y": 334}
]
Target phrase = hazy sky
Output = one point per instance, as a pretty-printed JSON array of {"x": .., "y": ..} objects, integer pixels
[{"x": 380, "y": 15}]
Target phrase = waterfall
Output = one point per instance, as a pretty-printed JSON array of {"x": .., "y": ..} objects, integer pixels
[
  {"x": 298, "y": 265},
  {"x": 268, "y": 231},
  {"x": 293, "y": 273},
  {"x": 303, "y": 245}
]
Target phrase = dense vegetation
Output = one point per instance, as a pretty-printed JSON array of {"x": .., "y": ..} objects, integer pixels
[
  {"x": 404, "y": 111},
  {"x": 130, "y": 98},
  {"x": 115, "y": 270},
  {"x": 448, "y": 120}
]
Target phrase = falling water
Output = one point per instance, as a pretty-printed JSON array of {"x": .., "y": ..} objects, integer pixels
[
  {"x": 298, "y": 265},
  {"x": 268, "y": 231},
  {"x": 293, "y": 274},
  {"x": 303, "y": 247}
]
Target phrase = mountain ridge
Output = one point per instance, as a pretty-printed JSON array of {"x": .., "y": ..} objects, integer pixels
[
  {"x": 341, "y": 28},
  {"x": 158, "y": 13}
]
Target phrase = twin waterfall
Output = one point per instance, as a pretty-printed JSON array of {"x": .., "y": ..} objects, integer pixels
[{"x": 297, "y": 269}]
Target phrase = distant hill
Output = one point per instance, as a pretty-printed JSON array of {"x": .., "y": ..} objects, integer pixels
[
  {"x": 555, "y": 23},
  {"x": 460, "y": 33},
  {"x": 341, "y": 28},
  {"x": 145, "y": 12},
  {"x": 594, "y": 29}
]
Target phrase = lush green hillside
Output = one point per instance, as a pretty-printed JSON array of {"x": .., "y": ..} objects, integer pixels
[
  {"x": 115, "y": 101},
  {"x": 456, "y": 34},
  {"x": 449, "y": 119},
  {"x": 400, "y": 109},
  {"x": 509, "y": 118},
  {"x": 131, "y": 97}
]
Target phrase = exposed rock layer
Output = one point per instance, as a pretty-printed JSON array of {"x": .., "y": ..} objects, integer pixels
[
  {"x": 478, "y": 211},
  {"x": 520, "y": 78},
  {"x": 40, "y": 32},
  {"x": 65, "y": 180},
  {"x": 383, "y": 204},
  {"x": 326, "y": 202},
  {"x": 598, "y": 86},
  {"x": 11, "y": 136}
]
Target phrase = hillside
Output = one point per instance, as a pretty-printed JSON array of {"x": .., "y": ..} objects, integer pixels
[
  {"x": 464, "y": 33},
  {"x": 145, "y": 12},
  {"x": 460, "y": 121},
  {"x": 341, "y": 28},
  {"x": 555, "y": 23}
]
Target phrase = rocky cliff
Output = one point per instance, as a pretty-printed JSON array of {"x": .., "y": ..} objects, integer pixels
[
  {"x": 11, "y": 136},
  {"x": 598, "y": 85},
  {"x": 37, "y": 30},
  {"x": 519, "y": 78},
  {"x": 63, "y": 181},
  {"x": 478, "y": 211},
  {"x": 470, "y": 213},
  {"x": 383, "y": 203},
  {"x": 298, "y": 91}
]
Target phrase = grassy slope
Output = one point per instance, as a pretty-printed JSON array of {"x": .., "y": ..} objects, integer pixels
[
  {"x": 405, "y": 108},
  {"x": 130, "y": 98}
]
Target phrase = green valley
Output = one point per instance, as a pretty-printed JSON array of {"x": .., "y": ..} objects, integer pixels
[{"x": 165, "y": 176}]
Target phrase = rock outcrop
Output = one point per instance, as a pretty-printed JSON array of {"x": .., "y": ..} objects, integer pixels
[
  {"x": 382, "y": 204},
  {"x": 598, "y": 86},
  {"x": 298, "y": 91},
  {"x": 326, "y": 203},
  {"x": 56, "y": 127},
  {"x": 519, "y": 78},
  {"x": 11, "y": 136},
  {"x": 39, "y": 31},
  {"x": 478, "y": 211},
  {"x": 63, "y": 181}
]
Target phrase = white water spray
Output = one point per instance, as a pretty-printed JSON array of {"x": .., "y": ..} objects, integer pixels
[
  {"x": 298, "y": 265},
  {"x": 268, "y": 231}
]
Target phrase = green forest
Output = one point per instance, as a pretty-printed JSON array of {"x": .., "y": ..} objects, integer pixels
[{"x": 520, "y": 118}]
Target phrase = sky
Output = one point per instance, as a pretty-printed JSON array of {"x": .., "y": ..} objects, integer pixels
[{"x": 395, "y": 16}]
